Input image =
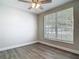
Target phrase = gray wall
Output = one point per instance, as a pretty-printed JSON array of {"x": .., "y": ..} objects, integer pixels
[
  {"x": 74, "y": 46},
  {"x": 16, "y": 27}
]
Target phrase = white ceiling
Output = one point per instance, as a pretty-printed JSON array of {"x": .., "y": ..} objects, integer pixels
[{"x": 25, "y": 6}]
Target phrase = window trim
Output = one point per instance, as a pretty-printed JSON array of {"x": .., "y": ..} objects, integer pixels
[{"x": 59, "y": 40}]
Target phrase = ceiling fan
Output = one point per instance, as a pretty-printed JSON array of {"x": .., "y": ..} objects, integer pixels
[{"x": 36, "y": 3}]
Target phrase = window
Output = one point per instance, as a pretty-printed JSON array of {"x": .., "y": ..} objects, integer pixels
[{"x": 58, "y": 26}]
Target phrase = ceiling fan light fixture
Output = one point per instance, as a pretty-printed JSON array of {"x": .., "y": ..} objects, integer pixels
[
  {"x": 38, "y": 5},
  {"x": 33, "y": 5}
]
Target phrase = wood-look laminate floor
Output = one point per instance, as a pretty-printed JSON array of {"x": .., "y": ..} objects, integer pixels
[{"x": 36, "y": 51}]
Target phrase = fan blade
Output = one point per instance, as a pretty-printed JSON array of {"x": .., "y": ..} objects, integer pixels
[
  {"x": 35, "y": 1},
  {"x": 45, "y": 1},
  {"x": 25, "y": 1},
  {"x": 32, "y": 0},
  {"x": 30, "y": 8}
]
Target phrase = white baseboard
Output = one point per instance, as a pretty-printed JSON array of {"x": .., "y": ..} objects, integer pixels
[
  {"x": 15, "y": 46},
  {"x": 63, "y": 48},
  {"x": 52, "y": 45}
]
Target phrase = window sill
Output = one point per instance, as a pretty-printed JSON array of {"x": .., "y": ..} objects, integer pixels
[{"x": 64, "y": 41}]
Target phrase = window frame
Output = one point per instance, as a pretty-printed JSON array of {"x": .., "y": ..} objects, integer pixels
[{"x": 60, "y": 40}]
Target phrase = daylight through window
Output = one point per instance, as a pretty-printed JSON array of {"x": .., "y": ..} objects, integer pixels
[{"x": 58, "y": 26}]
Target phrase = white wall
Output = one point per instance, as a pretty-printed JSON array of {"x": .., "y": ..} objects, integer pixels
[{"x": 16, "y": 27}]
